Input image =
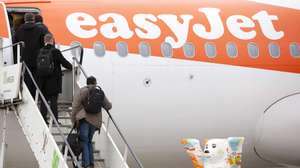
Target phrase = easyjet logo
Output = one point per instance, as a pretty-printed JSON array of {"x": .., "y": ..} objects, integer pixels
[{"x": 83, "y": 25}]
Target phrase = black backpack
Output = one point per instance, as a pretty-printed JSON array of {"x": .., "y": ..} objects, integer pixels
[
  {"x": 94, "y": 100},
  {"x": 45, "y": 63}
]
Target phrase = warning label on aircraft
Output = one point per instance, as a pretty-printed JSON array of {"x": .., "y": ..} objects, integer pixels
[{"x": 10, "y": 82}]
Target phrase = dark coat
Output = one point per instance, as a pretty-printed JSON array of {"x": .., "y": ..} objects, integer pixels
[
  {"x": 52, "y": 84},
  {"x": 33, "y": 37},
  {"x": 43, "y": 27}
]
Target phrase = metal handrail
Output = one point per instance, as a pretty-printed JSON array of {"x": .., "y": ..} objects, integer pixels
[
  {"x": 80, "y": 67},
  {"x": 19, "y": 45},
  {"x": 53, "y": 117},
  {"x": 71, "y": 48},
  {"x": 12, "y": 45},
  {"x": 115, "y": 124},
  {"x": 76, "y": 46}
]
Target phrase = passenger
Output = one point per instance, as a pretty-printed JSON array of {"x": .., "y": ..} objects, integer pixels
[
  {"x": 32, "y": 36},
  {"x": 50, "y": 80},
  {"x": 39, "y": 22},
  {"x": 88, "y": 122}
]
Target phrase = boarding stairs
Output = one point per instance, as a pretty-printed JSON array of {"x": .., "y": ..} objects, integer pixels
[{"x": 46, "y": 141}]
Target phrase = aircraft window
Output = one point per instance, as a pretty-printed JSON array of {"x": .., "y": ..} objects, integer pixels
[
  {"x": 253, "y": 50},
  {"x": 166, "y": 49},
  {"x": 73, "y": 51},
  {"x": 274, "y": 50},
  {"x": 210, "y": 50},
  {"x": 232, "y": 50},
  {"x": 99, "y": 49},
  {"x": 122, "y": 49},
  {"x": 189, "y": 50},
  {"x": 295, "y": 50},
  {"x": 145, "y": 49}
]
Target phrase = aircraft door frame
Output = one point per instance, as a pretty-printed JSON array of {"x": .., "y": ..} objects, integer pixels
[{"x": 6, "y": 55}]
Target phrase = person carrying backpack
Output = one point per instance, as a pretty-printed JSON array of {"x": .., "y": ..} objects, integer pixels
[
  {"x": 87, "y": 116},
  {"x": 49, "y": 74}
]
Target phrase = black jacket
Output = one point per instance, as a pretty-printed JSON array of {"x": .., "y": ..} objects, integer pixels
[
  {"x": 52, "y": 85},
  {"x": 43, "y": 27},
  {"x": 33, "y": 37}
]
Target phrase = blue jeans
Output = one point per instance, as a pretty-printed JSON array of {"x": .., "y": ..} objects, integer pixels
[{"x": 86, "y": 133}]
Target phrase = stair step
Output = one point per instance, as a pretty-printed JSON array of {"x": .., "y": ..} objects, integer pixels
[
  {"x": 66, "y": 126},
  {"x": 64, "y": 102},
  {"x": 95, "y": 159},
  {"x": 65, "y": 108},
  {"x": 64, "y": 131},
  {"x": 96, "y": 153},
  {"x": 60, "y": 143},
  {"x": 97, "y": 164},
  {"x": 64, "y": 117},
  {"x": 58, "y": 134}
]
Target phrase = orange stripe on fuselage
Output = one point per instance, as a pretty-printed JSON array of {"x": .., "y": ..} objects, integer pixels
[
  {"x": 56, "y": 12},
  {"x": 3, "y": 25}
]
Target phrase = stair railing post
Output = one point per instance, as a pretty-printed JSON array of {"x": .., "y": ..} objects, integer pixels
[
  {"x": 107, "y": 126},
  {"x": 50, "y": 124},
  {"x": 125, "y": 154},
  {"x": 66, "y": 153},
  {"x": 18, "y": 53},
  {"x": 3, "y": 145},
  {"x": 36, "y": 99}
]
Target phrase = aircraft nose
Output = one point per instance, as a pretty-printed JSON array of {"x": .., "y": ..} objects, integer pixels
[{"x": 206, "y": 151}]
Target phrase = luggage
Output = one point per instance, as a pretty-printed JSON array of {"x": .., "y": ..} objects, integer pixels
[
  {"x": 94, "y": 100},
  {"x": 74, "y": 142}
]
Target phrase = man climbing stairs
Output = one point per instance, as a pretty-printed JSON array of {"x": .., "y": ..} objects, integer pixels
[{"x": 64, "y": 113}]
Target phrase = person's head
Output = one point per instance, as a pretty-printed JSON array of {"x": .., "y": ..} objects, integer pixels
[
  {"x": 29, "y": 18},
  {"x": 38, "y": 18},
  {"x": 48, "y": 39},
  {"x": 91, "y": 80}
]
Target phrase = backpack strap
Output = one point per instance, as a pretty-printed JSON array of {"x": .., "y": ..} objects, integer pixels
[{"x": 51, "y": 50}]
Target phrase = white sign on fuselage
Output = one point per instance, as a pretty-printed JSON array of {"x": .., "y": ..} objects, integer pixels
[
  {"x": 10, "y": 82},
  {"x": 147, "y": 28}
]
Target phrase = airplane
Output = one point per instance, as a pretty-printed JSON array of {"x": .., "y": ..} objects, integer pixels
[{"x": 189, "y": 69}]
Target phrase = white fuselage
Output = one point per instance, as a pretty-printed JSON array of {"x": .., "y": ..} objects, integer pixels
[{"x": 159, "y": 101}]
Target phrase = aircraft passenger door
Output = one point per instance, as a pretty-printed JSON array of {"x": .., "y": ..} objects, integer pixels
[{"x": 6, "y": 55}]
